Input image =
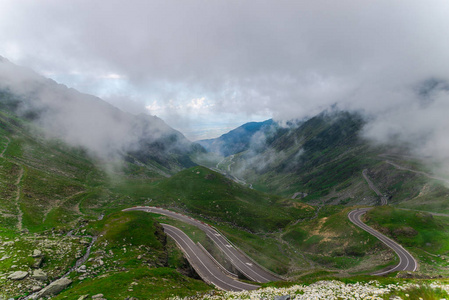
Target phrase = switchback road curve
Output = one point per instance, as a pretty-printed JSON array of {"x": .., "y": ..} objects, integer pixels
[
  {"x": 238, "y": 259},
  {"x": 203, "y": 264},
  {"x": 406, "y": 260}
]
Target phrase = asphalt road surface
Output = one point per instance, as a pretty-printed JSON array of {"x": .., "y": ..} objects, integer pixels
[
  {"x": 237, "y": 258},
  {"x": 203, "y": 264},
  {"x": 406, "y": 260}
]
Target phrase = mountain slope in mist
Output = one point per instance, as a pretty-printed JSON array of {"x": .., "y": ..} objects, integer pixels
[
  {"x": 323, "y": 151},
  {"x": 322, "y": 159},
  {"x": 88, "y": 122},
  {"x": 239, "y": 139}
]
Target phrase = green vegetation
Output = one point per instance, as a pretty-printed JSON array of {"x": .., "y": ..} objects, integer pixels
[
  {"x": 133, "y": 228},
  {"x": 433, "y": 196},
  {"x": 212, "y": 196},
  {"x": 323, "y": 158},
  {"x": 141, "y": 283},
  {"x": 131, "y": 258},
  {"x": 48, "y": 188},
  {"x": 58, "y": 254},
  {"x": 204, "y": 192},
  {"x": 421, "y": 292},
  {"x": 41, "y": 178},
  {"x": 426, "y": 236},
  {"x": 412, "y": 229},
  {"x": 333, "y": 242}
]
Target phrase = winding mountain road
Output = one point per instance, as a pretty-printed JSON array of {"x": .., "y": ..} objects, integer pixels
[
  {"x": 203, "y": 264},
  {"x": 249, "y": 268},
  {"x": 399, "y": 167},
  {"x": 406, "y": 260},
  {"x": 213, "y": 273}
]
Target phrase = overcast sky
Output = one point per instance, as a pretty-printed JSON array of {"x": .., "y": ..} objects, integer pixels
[{"x": 216, "y": 64}]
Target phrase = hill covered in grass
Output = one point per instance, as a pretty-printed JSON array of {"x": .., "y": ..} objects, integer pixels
[
  {"x": 321, "y": 161},
  {"x": 291, "y": 216},
  {"x": 422, "y": 233},
  {"x": 211, "y": 195},
  {"x": 132, "y": 258},
  {"x": 316, "y": 158}
]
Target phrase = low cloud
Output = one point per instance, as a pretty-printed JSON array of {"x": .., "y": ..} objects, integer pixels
[
  {"x": 288, "y": 59},
  {"x": 79, "y": 119},
  {"x": 420, "y": 124}
]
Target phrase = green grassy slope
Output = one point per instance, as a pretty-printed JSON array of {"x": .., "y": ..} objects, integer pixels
[
  {"x": 41, "y": 176},
  {"x": 320, "y": 157},
  {"x": 204, "y": 192},
  {"x": 331, "y": 241},
  {"x": 321, "y": 161},
  {"x": 131, "y": 258},
  {"x": 48, "y": 188},
  {"x": 208, "y": 194},
  {"x": 426, "y": 236}
]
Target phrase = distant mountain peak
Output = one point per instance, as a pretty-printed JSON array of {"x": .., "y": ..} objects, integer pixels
[{"x": 236, "y": 140}]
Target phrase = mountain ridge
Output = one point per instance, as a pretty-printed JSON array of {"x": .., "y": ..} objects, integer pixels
[
  {"x": 89, "y": 122},
  {"x": 238, "y": 139}
]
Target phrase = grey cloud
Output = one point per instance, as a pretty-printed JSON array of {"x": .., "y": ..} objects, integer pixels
[
  {"x": 84, "y": 120},
  {"x": 291, "y": 58}
]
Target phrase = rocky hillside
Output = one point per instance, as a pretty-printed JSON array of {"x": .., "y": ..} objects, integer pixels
[
  {"x": 130, "y": 258},
  {"x": 335, "y": 289}
]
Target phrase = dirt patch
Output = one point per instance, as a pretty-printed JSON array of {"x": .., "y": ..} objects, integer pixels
[
  {"x": 320, "y": 224},
  {"x": 303, "y": 206},
  {"x": 425, "y": 190}
]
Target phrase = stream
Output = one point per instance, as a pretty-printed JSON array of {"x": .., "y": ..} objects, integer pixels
[
  {"x": 84, "y": 258},
  {"x": 80, "y": 261}
]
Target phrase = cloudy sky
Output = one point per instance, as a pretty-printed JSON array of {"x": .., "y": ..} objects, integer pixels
[{"x": 207, "y": 66}]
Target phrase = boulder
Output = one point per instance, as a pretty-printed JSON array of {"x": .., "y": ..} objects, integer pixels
[
  {"x": 97, "y": 296},
  {"x": 38, "y": 262},
  {"x": 84, "y": 242},
  {"x": 39, "y": 275},
  {"x": 83, "y": 297},
  {"x": 37, "y": 253},
  {"x": 18, "y": 275},
  {"x": 53, "y": 288},
  {"x": 286, "y": 297},
  {"x": 82, "y": 269},
  {"x": 35, "y": 288}
]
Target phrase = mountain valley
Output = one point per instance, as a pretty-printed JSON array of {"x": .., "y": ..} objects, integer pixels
[{"x": 281, "y": 193}]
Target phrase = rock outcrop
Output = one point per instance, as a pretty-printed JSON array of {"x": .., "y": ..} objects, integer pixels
[
  {"x": 54, "y": 288},
  {"x": 37, "y": 253},
  {"x": 18, "y": 275},
  {"x": 39, "y": 275}
]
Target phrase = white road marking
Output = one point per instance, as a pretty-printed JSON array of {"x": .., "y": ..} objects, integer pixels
[{"x": 212, "y": 274}]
